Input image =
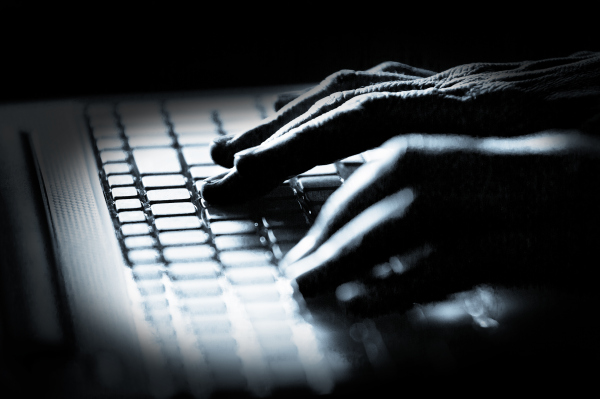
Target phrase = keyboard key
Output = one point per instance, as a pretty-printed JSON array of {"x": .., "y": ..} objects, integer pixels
[
  {"x": 318, "y": 182},
  {"x": 229, "y": 242},
  {"x": 139, "y": 242},
  {"x": 266, "y": 311},
  {"x": 257, "y": 293},
  {"x": 284, "y": 220},
  {"x": 197, "y": 139},
  {"x": 251, "y": 275},
  {"x": 116, "y": 168},
  {"x": 189, "y": 253},
  {"x": 226, "y": 213},
  {"x": 132, "y": 216},
  {"x": 286, "y": 235},
  {"x": 277, "y": 329},
  {"x": 106, "y": 130},
  {"x": 178, "y": 223},
  {"x": 197, "y": 156},
  {"x": 145, "y": 130},
  {"x": 133, "y": 203},
  {"x": 211, "y": 324},
  {"x": 122, "y": 192},
  {"x": 163, "y": 181},
  {"x": 274, "y": 207},
  {"x": 109, "y": 143},
  {"x": 151, "y": 287},
  {"x": 135, "y": 229},
  {"x": 113, "y": 156},
  {"x": 245, "y": 258},
  {"x": 233, "y": 227},
  {"x": 150, "y": 141},
  {"x": 203, "y": 172},
  {"x": 197, "y": 288},
  {"x": 173, "y": 208},
  {"x": 154, "y": 304},
  {"x": 143, "y": 256},
  {"x": 193, "y": 271},
  {"x": 320, "y": 170},
  {"x": 183, "y": 237},
  {"x": 204, "y": 306},
  {"x": 157, "y": 160},
  {"x": 120, "y": 180},
  {"x": 147, "y": 272},
  {"x": 168, "y": 195},
  {"x": 318, "y": 195},
  {"x": 283, "y": 191}
]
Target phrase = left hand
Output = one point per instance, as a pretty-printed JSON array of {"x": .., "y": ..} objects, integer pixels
[{"x": 458, "y": 211}]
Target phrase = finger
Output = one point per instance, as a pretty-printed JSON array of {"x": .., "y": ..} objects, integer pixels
[
  {"x": 378, "y": 232},
  {"x": 223, "y": 149},
  {"x": 368, "y": 185},
  {"x": 399, "y": 68},
  {"x": 232, "y": 187}
]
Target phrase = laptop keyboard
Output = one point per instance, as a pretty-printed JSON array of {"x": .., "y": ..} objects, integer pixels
[{"x": 208, "y": 296}]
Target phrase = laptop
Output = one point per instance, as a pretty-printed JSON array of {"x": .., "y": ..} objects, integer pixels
[{"x": 119, "y": 280}]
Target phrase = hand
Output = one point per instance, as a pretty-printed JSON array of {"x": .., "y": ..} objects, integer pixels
[
  {"x": 458, "y": 211},
  {"x": 352, "y": 111}
]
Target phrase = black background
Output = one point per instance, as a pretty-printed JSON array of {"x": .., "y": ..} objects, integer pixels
[{"x": 113, "y": 54}]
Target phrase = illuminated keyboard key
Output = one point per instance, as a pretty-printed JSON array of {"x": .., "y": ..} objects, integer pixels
[
  {"x": 143, "y": 256},
  {"x": 197, "y": 156},
  {"x": 147, "y": 272},
  {"x": 168, "y": 195},
  {"x": 120, "y": 180},
  {"x": 132, "y": 216},
  {"x": 245, "y": 258},
  {"x": 183, "y": 237},
  {"x": 116, "y": 168},
  {"x": 189, "y": 253},
  {"x": 133, "y": 203},
  {"x": 173, "y": 208},
  {"x": 163, "y": 181},
  {"x": 113, "y": 156},
  {"x": 204, "y": 306},
  {"x": 203, "y": 172},
  {"x": 157, "y": 160},
  {"x": 107, "y": 130},
  {"x": 251, "y": 275},
  {"x": 233, "y": 227},
  {"x": 150, "y": 141},
  {"x": 178, "y": 223},
  {"x": 193, "y": 270},
  {"x": 257, "y": 293},
  {"x": 228, "y": 242},
  {"x": 109, "y": 143},
  {"x": 123, "y": 192},
  {"x": 146, "y": 130},
  {"x": 139, "y": 242},
  {"x": 135, "y": 229},
  {"x": 197, "y": 288}
]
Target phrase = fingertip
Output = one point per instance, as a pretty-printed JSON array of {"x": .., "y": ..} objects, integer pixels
[{"x": 220, "y": 152}]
